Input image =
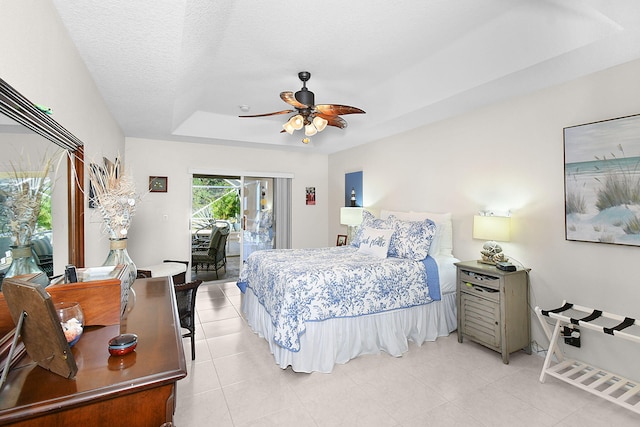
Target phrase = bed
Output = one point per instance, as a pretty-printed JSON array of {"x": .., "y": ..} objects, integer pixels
[{"x": 393, "y": 284}]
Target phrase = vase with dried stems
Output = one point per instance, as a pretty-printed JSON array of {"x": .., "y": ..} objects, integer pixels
[
  {"x": 114, "y": 195},
  {"x": 21, "y": 201}
]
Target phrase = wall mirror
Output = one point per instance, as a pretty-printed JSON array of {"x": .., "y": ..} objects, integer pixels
[{"x": 27, "y": 130}]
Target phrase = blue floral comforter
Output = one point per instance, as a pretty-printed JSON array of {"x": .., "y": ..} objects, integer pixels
[{"x": 301, "y": 285}]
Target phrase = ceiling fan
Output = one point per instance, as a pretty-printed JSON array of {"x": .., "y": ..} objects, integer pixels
[{"x": 314, "y": 118}]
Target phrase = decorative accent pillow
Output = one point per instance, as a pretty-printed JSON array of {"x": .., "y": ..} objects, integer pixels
[
  {"x": 411, "y": 239},
  {"x": 369, "y": 220},
  {"x": 442, "y": 243},
  {"x": 375, "y": 241},
  {"x": 444, "y": 227}
]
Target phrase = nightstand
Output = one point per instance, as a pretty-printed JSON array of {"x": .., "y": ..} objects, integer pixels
[{"x": 493, "y": 307}]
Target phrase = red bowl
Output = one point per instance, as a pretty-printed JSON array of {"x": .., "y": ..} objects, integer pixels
[
  {"x": 123, "y": 344},
  {"x": 121, "y": 351}
]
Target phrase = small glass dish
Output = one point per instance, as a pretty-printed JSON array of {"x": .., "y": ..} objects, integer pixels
[{"x": 71, "y": 319}]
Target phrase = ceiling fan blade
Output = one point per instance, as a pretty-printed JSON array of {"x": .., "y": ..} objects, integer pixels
[
  {"x": 337, "y": 110},
  {"x": 271, "y": 114},
  {"x": 290, "y": 99},
  {"x": 336, "y": 121}
]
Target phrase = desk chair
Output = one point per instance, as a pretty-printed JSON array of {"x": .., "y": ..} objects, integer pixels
[{"x": 186, "y": 301}]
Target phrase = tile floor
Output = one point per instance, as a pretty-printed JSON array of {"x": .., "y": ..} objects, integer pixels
[{"x": 234, "y": 382}]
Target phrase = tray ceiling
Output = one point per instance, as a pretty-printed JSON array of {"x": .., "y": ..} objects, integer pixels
[{"x": 180, "y": 70}]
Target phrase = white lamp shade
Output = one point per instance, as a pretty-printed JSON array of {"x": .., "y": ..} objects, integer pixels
[
  {"x": 351, "y": 216},
  {"x": 310, "y": 130},
  {"x": 492, "y": 228},
  {"x": 297, "y": 122},
  {"x": 319, "y": 123},
  {"x": 288, "y": 127}
]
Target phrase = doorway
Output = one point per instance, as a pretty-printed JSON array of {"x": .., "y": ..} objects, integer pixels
[
  {"x": 256, "y": 210},
  {"x": 215, "y": 202}
]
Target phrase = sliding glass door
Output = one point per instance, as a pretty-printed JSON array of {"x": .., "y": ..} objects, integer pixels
[
  {"x": 256, "y": 208},
  {"x": 257, "y": 215}
]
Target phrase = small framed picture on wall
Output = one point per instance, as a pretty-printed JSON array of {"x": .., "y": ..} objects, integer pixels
[
  {"x": 342, "y": 240},
  {"x": 158, "y": 184},
  {"x": 311, "y": 196}
]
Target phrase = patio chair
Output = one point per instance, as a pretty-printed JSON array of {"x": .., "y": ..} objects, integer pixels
[
  {"x": 42, "y": 252},
  {"x": 214, "y": 255}
]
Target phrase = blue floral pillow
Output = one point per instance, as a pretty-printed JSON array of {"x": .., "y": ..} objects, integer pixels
[
  {"x": 411, "y": 239},
  {"x": 370, "y": 221}
]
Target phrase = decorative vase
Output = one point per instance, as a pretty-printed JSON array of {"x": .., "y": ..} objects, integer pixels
[
  {"x": 118, "y": 255},
  {"x": 23, "y": 263}
]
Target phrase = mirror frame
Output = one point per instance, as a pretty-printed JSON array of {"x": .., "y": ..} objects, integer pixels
[{"x": 15, "y": 106}]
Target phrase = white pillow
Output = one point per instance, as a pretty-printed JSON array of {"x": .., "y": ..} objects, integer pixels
[
  {"x": 375, "y": 241},
  {"x": 442, "y": 242}
]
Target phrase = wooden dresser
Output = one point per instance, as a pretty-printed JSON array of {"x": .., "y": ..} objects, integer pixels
[{"x": 138, "y": 389}]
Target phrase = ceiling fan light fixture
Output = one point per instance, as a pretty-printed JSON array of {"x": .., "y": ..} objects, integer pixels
[
  {"x": 314, "y": 118},
  {"x": 288, "y": 127},
  {"x": 297, "y": 121},
  {"x": 319, "y": 123},
  {"x": 310, "y": 130}
]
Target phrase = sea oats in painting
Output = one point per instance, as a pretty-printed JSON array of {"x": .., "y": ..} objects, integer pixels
[{"x": 602, "y": 181}]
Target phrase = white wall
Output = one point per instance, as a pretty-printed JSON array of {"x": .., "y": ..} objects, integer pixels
[
  {"x": 152, "y": 239},
  {"x": 510, "y": 156},
  {"x": 39, "y": 60}
]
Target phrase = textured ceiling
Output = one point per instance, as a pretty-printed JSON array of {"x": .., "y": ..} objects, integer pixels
[{"x": 180, "y": 69}]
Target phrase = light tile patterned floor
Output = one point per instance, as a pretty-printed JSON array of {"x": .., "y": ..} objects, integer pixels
[{"x": 234, "y": 381}]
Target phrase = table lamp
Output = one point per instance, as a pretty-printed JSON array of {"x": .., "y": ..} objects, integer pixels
[
  {"x": 352, "y": 218},
  {"x": 492, "y": 228}
]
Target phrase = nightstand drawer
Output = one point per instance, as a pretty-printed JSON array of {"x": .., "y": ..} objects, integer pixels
[
  {"x": 484, "y": 280},
  {"x": 480, "y": 291}
]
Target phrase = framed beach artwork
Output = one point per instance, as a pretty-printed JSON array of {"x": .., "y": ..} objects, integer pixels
[{"x": 602, "y": 181}]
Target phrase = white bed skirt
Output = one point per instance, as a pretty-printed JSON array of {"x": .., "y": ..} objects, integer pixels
[{"x": 339, "y": 340}]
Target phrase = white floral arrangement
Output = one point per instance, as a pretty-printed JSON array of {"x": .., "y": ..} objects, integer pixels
[
  {"x": 22, "y": 196},
  {"x": 114, "y": 195}
]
